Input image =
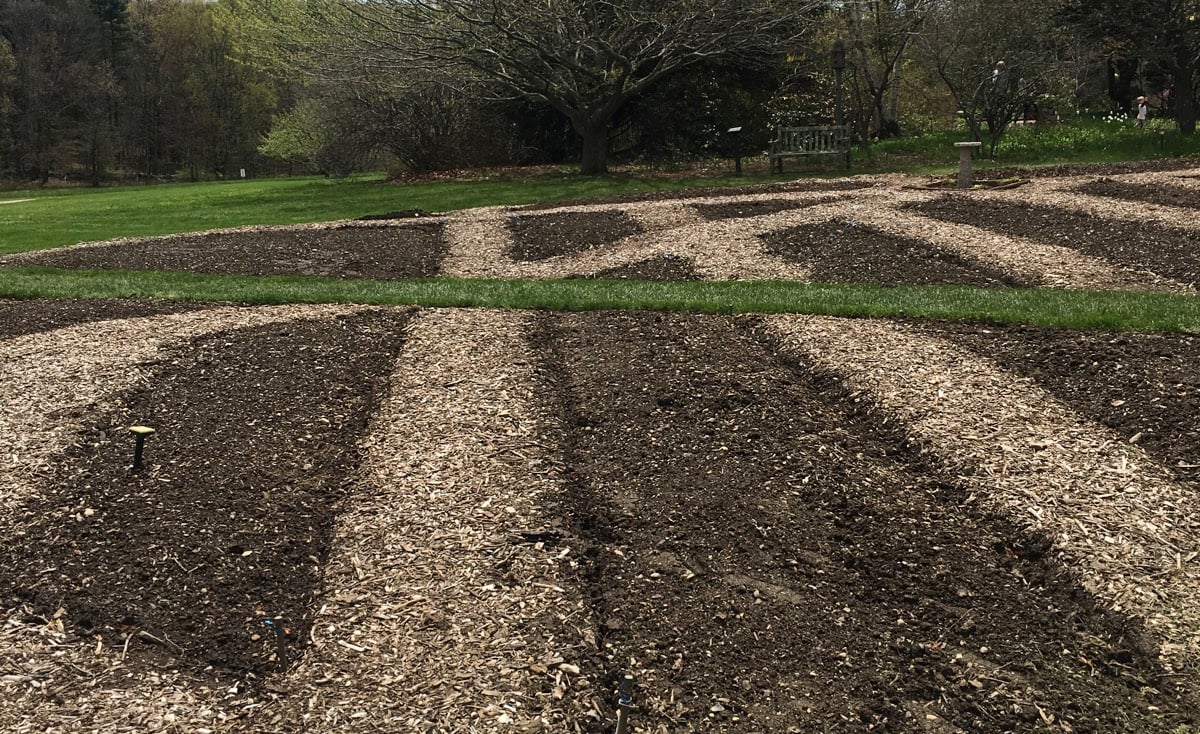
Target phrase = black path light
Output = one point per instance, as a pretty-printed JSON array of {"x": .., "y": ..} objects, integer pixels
[
  {"x": 140, "y": 433},
  {"x": 736, "y": 133}
]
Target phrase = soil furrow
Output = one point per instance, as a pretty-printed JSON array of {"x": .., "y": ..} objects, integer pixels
[
  {"x": 847, "y": 251},
  {"x": 351, "y": 250},
  {"x": 542, "y": 236},
  {"x": 766, "y": 557},
  {"x": 29, "y": 316},
  {"x": 1159, "y": 193},
  {"x": 1167, "y": 251},
  {"x": 51, "y": 381},
  {"x": 1026, "y": 258},
  {"x": 1144, "y": 387}
]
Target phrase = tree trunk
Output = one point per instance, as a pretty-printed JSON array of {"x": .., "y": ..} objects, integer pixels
[
  {"x": 594, "y": 161},
  {"x": 1185, "y": 94}
]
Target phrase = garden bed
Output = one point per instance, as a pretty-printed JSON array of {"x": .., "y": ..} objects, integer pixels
[{"x": 364, "y": 519}]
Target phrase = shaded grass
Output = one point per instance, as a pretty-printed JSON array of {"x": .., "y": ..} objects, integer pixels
[{"x": 1119, "y": 311}]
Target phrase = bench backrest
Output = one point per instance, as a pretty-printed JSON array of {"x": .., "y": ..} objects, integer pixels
[{"x": 815, "y": 139}]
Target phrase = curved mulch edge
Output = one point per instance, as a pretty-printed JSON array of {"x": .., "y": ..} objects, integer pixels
[
  {"x": 1061, "y": 194},
  {"x": 52, "y": 680},
  {"x": 444, "y": 604},
  {"x": 1117, "y": 517},
  {"x": 479, "y": 241},
  {"x": 985, "y": 184},
  {"x": 18, "y": 258},
  {"x": 443, "y": 611}
]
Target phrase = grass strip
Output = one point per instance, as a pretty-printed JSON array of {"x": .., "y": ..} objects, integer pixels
[{"x": 1118, "y": 311}]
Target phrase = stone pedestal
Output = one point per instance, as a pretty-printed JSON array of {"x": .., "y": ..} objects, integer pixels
[{"x": 966, "y": 176}]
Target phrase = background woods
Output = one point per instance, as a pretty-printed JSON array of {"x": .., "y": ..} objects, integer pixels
[{"x": 96, "y": 90}]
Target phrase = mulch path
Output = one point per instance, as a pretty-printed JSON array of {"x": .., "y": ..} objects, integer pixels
[
  {"x": 1167, "y": 251},
  {"x": 758, "y": 542},
  {"x": 840, "y": 184},
  {"x": 1145, "y": 387},
  {"x": 753, "y": 208}
]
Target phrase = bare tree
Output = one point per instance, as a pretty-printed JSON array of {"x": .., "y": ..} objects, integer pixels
[
  {"x": 880, "y": 34},
  {"x": 995, "y": 58},
  {"x": 585, "y": 58}
]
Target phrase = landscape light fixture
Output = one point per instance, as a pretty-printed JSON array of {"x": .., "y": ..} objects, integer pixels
[
  {"x": 139, "y": 437},
  {"x": 736, "y": 132}
]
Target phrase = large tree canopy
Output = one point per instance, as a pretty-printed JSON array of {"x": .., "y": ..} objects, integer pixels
[
  {"x": 995, "y": 58},
  {"x": 585, "y": 58},
  {"x": 1165, "y": 33}
]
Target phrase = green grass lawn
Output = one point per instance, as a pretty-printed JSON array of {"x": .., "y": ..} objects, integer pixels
[
  {"x": 39, "y": 219},
  {"x": 1117, "y": 311}
]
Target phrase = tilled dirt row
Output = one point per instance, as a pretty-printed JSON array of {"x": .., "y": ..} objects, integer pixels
[
  {"x": 1138, "y": 245},
  {"x": 1144, "y": 387},
  {"x": 274, "y": 567}
]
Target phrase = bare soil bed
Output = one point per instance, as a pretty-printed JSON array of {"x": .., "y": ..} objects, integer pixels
[
  {"x": 882, "y": 258},
  {"x": 743, "y": 509},
  {"x": 349, "y": 250},
  {"x": 1155, "y": 194},
  {"x": 726, "y": 508}
]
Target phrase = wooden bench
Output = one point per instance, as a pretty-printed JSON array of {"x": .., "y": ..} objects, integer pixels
[{"x": 793, "y": 142}]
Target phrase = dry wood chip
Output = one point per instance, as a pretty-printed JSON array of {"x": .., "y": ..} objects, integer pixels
[{"x": 436, "y": 614}]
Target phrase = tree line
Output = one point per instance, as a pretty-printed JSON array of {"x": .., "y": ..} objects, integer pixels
[{"x": 95, "y": 90}]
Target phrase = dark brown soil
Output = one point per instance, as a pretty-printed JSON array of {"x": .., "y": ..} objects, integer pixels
[
  {"x": 1151, "y": 193},
  {"x": 1166, "y": 251},
  {"x": 1093, "y": 169},
  {"x": 229, "y": 523},
  {"x": 385, "y": 253},
  {"x": 29, "y": 316},
  {"x": 849, "y": 252},
  {"x": 666, "y": 267},
  {"x": 765, "y": 555},
  {"x": 764, "y": 551},
  {"x": 543, "y": 236}
]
